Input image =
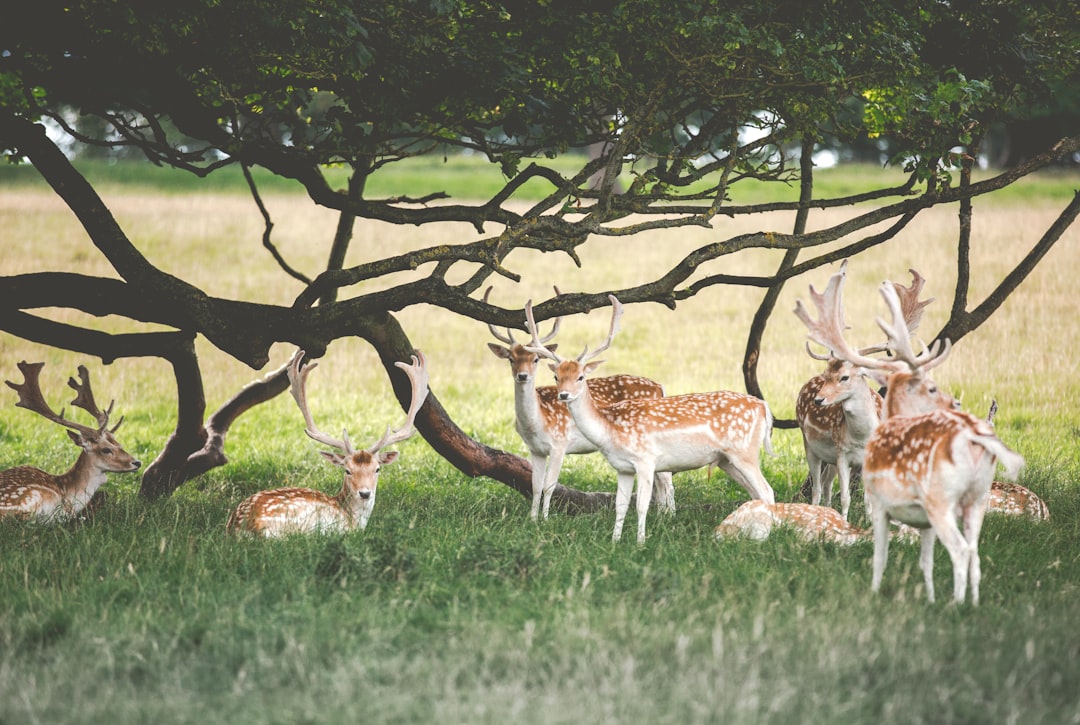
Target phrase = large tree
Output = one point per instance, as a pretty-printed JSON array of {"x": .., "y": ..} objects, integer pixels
[{"x": 654, "y": 99}]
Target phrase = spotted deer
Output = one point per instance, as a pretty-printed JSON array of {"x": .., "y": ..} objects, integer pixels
[
  {"x": 545, "y": 424},
  {"x": 756, "y": 519},
  {"x": 836, "y": 410},
  {"x": 30, "y": 493},
  {"x": 677, "y": 433},
  {"x": 284, "y": 511},
  {"x": 928, "y": 464}
]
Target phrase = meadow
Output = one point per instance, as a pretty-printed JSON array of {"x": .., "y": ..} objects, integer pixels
[{"x": 452, "y": 606}]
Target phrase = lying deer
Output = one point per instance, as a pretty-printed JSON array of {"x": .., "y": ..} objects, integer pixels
[
  {"x": 755, "y": 520},
  {"x": 836, "y": 410},
  {"x": 677, "y": 433},
  {"x": 284, "y": 511},
  {"x": 31, "y": 493},
  {"x": 927, "y": 464},
  {"x": 546, "y": 426}
]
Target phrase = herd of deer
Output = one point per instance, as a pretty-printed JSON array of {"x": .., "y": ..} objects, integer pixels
[{"x": 924, "y": 463}]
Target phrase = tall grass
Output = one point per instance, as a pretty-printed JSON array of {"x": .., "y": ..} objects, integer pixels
[{"x": 452, "y": 606}]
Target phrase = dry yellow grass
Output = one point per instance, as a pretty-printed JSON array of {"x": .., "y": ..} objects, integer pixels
[{"x": 1025, "y": 356}]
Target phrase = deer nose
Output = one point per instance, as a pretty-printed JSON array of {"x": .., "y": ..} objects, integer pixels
[
  {"x": 523, "y": 377},
  {"x": 564, "y": 395},
  {"x": 364, "y": 494},
  {"x": 135, "y": 465}
]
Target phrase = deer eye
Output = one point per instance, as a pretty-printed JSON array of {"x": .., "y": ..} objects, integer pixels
[
  {"x": 845, "y": 378},
  {"x": 106, "y": 451},
  {"x": 933, "y": 389},
  {"x": 580, "y": 378}
]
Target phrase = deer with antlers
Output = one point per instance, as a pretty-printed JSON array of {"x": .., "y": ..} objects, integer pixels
[
  {"x": 284, "y": 511},
  {"x": 545, "y": 424},
  {"x": 836, "y": 410},
  {"x": 678, "y": 433},
  {"x": 31, "y": 493},
  {"x": 928, "y": 464}
]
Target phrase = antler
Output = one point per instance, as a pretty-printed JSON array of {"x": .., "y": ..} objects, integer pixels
[
  {"x": 899, "y": 334},
  {"x": 84, "y": 399},
  {"x": 910, "y": 305},
  {"x": 31, "y": 398},
  {"x": 298, "y": 387},
  {"x": 616, "y": 314},
  {"x": 418, "y": 375},
  {"x": 828, "y": 329},
  {"x": 508, "y": 338}
]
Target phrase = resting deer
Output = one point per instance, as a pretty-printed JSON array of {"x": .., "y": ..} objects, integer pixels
[
  {"x": 927, "y": 464},
  {"x": 546, "y": 426},
  {"x": 678, "y": 433},
  {"x": 30, "y": 493},
  {"x": 284, "y": 511},
  {"x": 755, "y": 520},
  {"x": 837, "y": 411}
]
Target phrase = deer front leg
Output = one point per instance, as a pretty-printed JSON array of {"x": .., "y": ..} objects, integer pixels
[
  {"x": 843, "y": 472},
  {"x": 551, "y": 475},
  {"x": 622, "y": 502},
  {"x": 539, "y": 466},
  {"x": 816, "y": 467}
]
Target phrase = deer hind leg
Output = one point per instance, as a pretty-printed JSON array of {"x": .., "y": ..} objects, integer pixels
[
  {"x": 942, "y": 519},
  {"x": 881, "y": 546},
  {"x": 747, "y": 473},
  {"x": 644, "y": 477},
  {"x": 622, "y": 502},
  {"x": 551, "y": 476},
  {"x": 665, "y": 492},
  {"x": 973, "y": 520},
  {"x": 927, "y": 539}
]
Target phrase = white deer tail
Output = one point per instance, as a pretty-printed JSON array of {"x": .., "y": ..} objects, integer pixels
[{"x": 1009, "y": 459}]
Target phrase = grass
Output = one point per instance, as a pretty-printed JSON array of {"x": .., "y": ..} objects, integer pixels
[{"x": 452, "y": 606}]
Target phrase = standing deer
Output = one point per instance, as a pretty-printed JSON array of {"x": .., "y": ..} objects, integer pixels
[
  {"x": 545, "y": 424},
  {"x": 31, "y": 493},
  {"x": 678, "y": 433},
  {"x": 837, "y": 411},
  {"x": 284, "y": 511},
  {"x": 927, "y": 464}
]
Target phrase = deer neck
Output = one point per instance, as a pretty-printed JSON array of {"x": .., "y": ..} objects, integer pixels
[
  {"x": 861, "y": 414},
  {"x": 81, "y": 482},
  {"x": 588, "y": 418}
]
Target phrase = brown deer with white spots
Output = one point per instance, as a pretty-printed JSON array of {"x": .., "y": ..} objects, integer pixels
[
  {"x": 837, "y": 411},
  {"x": 545, "y": 424},
  {"x": 30, "y": 493},
  {"x": 756, "y": 519},
  {"x": 677, "y": 433},
  {"x": 284, "y": 511},
  {"x": 928, "y": 464}
]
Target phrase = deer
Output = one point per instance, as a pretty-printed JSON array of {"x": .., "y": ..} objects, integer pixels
[
  {"x": 283, "y": 511},
  {"x": 545, "y": 424},
  {"x": 755, "y": 519},
  {"x": 836, "y": 410},
  {"x": 30, "y": 493},
  {"x": 928, "y": 464},
  {"x": 675, "y": 433}
]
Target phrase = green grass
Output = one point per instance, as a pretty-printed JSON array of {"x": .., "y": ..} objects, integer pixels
[{"x": 453, "y": 607}]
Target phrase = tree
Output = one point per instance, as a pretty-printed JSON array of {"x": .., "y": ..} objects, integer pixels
[{"x": 660, "y": 93}]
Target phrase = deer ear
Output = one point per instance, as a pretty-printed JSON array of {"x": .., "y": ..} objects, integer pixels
[
  {"x": 77, "y": 437},
  {"x": 554, "y": 368},
  {"x": 499, "y": 350},
  {"x": 334, "y": 457},
  {"x": 388, "y": 457},
  {"x": 553, "y": 347},
  {"x": 592, "y": 366}
]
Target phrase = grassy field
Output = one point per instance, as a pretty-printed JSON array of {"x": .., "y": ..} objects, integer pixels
[{"x": 452, "y": 606}]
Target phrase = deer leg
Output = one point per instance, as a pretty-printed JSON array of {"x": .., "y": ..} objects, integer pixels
[
  {"x": 747, "y": 473},
  {"x": 973, "y": 520},
  {"x": 644, "y": 497},
  {"x": 943, "y": 521},
  {"x": 551, "y": 476},
  {"x": 880, "y": 521},
  {"x": 665, "y": 491},
  {"x": 927, "y": 539},
  {"x": 539, "y": 465},
  {"x": 843, "y": 472},
  {"x": 816, "y": 465},
  {"x": 622, "y": 501}
]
